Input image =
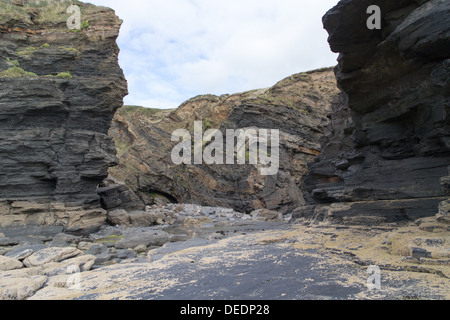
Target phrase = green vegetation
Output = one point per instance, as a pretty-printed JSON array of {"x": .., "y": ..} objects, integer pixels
[
  {"x": 320, "y": 70},
  {"x": 85, "y": 25},
  {"x": 110, "y": 239},
  {"x": 17, "y": 72},
  {"x": 205, "y": 97},
  {"x": 48, "y": 12},
  {"x": 27, "y": 51},
  {"x": 64, "y": 75},
  {"x": 133, "y": 110},
  {"x": 207, "y": 124},
  {"x": 69, "y": 49},
  {"x": 13, "y": 63},
  {"x": 247, "y": 155}
]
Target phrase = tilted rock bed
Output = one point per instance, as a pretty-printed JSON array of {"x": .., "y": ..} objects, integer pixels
[{"x": 35, "y": 257}]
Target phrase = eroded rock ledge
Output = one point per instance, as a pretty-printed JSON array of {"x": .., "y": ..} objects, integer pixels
[{"x": 59, "y": 90}]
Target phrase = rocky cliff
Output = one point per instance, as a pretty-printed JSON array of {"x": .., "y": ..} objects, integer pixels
[
  {"x": 59, "y": 90},
  {"x": 298, "y": 106},
  {"x": 387, "y": 150}
]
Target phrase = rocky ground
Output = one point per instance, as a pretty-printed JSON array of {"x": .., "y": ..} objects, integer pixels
[
  {"x": 298, "y": 106},
  {"x": 193, "y": 252}
]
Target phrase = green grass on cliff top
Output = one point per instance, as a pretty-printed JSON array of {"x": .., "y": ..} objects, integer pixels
[
  {"x": 129, "y": 110},
  {"x": 51, "y": 12}
]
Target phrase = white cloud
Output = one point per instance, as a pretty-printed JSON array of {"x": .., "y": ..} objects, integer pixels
[{"x": 172, "y": 50}]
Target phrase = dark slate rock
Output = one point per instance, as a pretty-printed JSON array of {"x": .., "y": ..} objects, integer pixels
[{"x": 394, "y": 113}]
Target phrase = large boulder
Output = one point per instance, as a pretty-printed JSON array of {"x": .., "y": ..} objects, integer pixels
[
  {"x": 7, "y": 264},
  {"x": 49, "y": 255},
  {"x": 444, "y": 212},
  {"x": 21, "y": 288},
  {"x": 149, "y": 238}
]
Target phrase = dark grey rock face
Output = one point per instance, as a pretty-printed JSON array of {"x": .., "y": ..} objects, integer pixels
[
  {"x": 390, "y": 140},
  {"x": 55, "y": 113}
]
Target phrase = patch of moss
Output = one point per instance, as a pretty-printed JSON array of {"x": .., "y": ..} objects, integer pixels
[
  {"x": 27, "y": 51},
  {"x": 110, "y": 239},
  {"x": 207, "y": 124},
  {"x": 69, "y": 49},
  {"x": 13, "y": 63},
  {"x": 17, "y": 72},
  {"x": 205, "y": 97},
  {"x": 64, "y": 75}
]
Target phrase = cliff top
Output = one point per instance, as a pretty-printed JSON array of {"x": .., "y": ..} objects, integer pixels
[
  {"x": 49, "y": 38},
  {"x": 48, "y": 14}
]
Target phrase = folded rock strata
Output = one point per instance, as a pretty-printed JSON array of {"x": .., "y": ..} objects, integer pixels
[{"x": 298, "y": 106}]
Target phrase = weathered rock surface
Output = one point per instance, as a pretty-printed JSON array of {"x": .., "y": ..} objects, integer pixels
[
  {"x": 43, "y": 267},
  {"x": 20, "y": 288},
  {"x": 298, "y": 106},
  {"x": 7, "y": 264},
  {"x": 386, "y": 152},
  {"x": 298, "y": 261},
  {"x": 59, "y": 90},
  {"x": 48, "y": 255}
]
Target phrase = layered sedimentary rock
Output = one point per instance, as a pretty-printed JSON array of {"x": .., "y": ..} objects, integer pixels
[
  {"x": 59, "y": 90},
  {"x": 298, "y": 106},
  {"x": 387, "y": 150}
]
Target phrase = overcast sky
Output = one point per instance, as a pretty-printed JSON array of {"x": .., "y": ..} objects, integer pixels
[{"x": 173, "y": 50}]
